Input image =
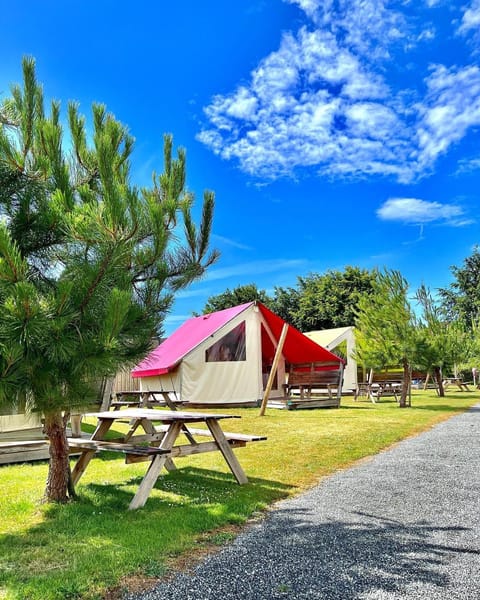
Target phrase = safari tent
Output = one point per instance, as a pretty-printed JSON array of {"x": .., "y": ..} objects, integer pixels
[
  {"x": 337, "y": 338},
  {"x": 225, "y": 358}
]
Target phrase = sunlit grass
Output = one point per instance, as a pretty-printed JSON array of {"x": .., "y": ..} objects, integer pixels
[{"x": 81, "y": 549}]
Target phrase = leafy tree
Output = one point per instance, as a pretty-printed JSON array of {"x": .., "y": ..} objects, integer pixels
[
  {"x": 239, "y": 295},
  {"x": 330, "y": 300},
  {"x": 446, "y": 344},
  {"x": 462, "y": 298},
  {"x": 285, "y": 303},
  {"x": 386, "y": 332},
  {"x": 89, "y": 263},
  {"x": 317, "y": 302}
]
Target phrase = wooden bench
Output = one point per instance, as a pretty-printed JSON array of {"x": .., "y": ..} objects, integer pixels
[
  {"x": 23, "y": 451},
  {"x": 310, "y": 386},
  {"x": 130, "y": 450},
  {"x": 239, "y": 438},
  {"x": 234, "y": 440},
  {"x": 137, "y": 453}
]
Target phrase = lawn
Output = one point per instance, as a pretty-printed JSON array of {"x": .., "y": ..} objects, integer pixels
[{"x": 83, "y": 549}]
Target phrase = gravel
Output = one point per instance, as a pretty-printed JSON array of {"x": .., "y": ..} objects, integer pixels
[{"x": 401, "y": 525}]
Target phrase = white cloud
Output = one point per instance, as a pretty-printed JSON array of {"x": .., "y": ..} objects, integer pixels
[
  {"x": 471, "y": 18},
  {"x": 327, "y": 98},
  {"x": 311, "y": 96},
  {"x": 468, "y": 165},
  {"x": 193, "y": 292},
  {"x": 418, "y": 212},
  {"x": 451, "y": 106},
  {"x": 256, "y": 268},
  {"x": 427, "y": 34},
  {"x": 230, "y": 242},
  {"x": 174, "y": 319},
  {"x": 309, "y": 6}
]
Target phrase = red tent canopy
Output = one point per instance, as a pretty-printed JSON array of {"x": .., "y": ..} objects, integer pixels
[{"x": 298, "y": 348}]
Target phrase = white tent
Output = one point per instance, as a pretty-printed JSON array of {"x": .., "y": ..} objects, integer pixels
[
  {"x": 331, "y": 339},
  {"x": 225, "y": 357}
]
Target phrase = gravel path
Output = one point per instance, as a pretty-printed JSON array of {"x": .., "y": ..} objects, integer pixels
[{"x": 402, "y": 525}]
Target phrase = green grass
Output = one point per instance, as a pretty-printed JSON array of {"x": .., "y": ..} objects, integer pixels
[{"x": 80, "y": 550}]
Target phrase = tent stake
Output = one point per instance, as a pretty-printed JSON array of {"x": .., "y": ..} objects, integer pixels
[{"x": 273, "y": 370}]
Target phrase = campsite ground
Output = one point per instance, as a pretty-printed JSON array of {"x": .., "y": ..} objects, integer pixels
[{"x": 82, "y": 549}]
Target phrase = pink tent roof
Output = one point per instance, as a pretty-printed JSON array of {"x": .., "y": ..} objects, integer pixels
[
  {"x": 188, "y": 336},
  {"x": 298, "y": 348}
]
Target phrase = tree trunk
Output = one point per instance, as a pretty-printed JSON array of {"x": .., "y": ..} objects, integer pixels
[
  {"x": 406, "y": 385},
  {"x": 58, "y": 484},
  {"x": 438, "y": 378}
]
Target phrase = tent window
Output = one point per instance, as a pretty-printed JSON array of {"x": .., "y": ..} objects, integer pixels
[{"x": 230, "y": 347}]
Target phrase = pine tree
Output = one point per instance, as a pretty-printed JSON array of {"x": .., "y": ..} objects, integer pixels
[
  {"x": 386, "y": 331},
  {"x": 89, "y": 263}
]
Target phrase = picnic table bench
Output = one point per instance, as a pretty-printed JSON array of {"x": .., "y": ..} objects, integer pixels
[
  {"x": 312, "y": 386},
  {"x": 157, "y": 443},
  {"x": 76, "y": 444},
  {"x": 235, "y": 439},
  {"x": 382, "y": 385},
  {"x": 457, "y": 381},
  {"x": 143, "y": 398}
]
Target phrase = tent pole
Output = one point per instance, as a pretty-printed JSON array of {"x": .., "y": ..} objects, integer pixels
[{"x": 273, "y": 370}]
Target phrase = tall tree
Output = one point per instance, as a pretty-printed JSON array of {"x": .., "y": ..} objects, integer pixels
[
  {"x": 239, "y": 295},
  {"x": 285, "y": 303},
  {"x": 89, "y": 263},
  {"x": 386, "y": 327},
  {"x": 446, "y": 345},
  {"x": 461, "y": 300},
  {"x": 329, "y": 300}
]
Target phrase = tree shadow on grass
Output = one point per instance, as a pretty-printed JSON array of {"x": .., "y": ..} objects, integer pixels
[
  {"x": 294, "y": 556},
  {"x": 189, "y": 485},
  {"x": 96, "y": 540}
]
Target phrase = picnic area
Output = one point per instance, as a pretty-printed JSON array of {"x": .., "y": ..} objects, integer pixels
[{"x": 84, "y": 548}]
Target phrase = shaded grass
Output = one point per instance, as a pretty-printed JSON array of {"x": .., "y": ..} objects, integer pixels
[{"x": 81, "y": 549}]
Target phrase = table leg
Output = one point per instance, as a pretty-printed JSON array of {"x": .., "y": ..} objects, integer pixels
[
  {"x": 167, "y": 400},
  {"x": 155, "y": 467},
  {"x": 149, "y": 428},
  {"x": 86, "y": 457},
  {"x": 226, "y": 450}
]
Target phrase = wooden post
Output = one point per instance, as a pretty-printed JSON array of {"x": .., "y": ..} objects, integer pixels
[{"x": 273, "y": 370}]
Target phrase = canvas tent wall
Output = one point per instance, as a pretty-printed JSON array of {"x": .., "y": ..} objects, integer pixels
[
  {"x": 26, "y": 429},
  {"x": 225, "y": 357},
  {"x": 331, "y": 339},
  {"x": 20, "y": 427}
]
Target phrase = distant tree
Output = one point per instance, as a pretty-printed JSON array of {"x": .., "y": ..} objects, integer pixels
[
  {"x": 239, "y": 295},
  {"x": 285, "y": 303},
  {"x": 330, "y": 300},
  {"x": 89, "y": 264},
  {"x": 446, "y": 344},
  {"x": 461, "y": 300},
  {"x": 386, "y": 330}
]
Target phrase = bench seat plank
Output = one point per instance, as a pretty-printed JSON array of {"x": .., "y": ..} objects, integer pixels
[
  {"x": 97, "y": 445},
  {"x": 239, "y": 437}
]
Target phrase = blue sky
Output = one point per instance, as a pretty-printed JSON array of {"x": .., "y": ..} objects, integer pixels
[{"x": 333, "y": 132}]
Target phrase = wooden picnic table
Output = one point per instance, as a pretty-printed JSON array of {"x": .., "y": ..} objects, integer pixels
[
  {"x": 161, "y": 430},
  {"x": 458, "y": 381},
  {"x": 143, "y": 399},
  {"x": 374, "y": 391}
]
